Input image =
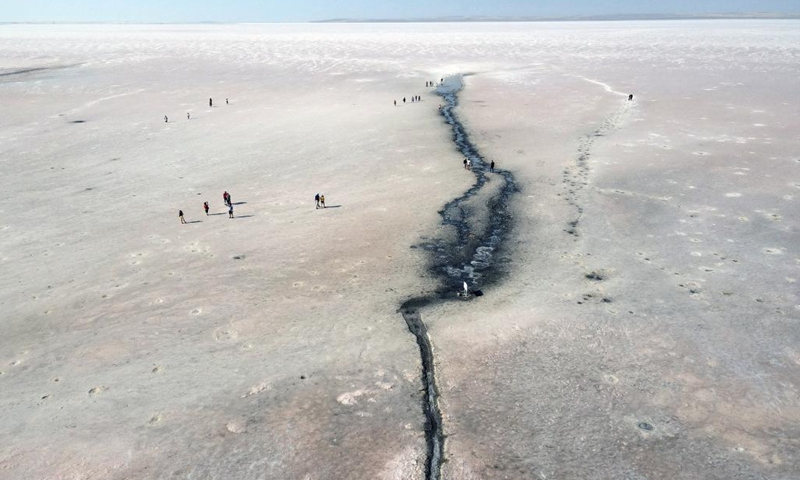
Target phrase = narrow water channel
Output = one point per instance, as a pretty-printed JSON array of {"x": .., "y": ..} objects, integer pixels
[{"x": 469, "y": 252}]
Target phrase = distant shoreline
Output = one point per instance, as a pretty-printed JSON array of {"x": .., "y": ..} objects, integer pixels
[
  {"x": 475, "y": 19},
  {"x": 579, "y": 18}
]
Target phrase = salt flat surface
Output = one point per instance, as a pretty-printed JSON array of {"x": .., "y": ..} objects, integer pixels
[{"x": 645, "y": 328}]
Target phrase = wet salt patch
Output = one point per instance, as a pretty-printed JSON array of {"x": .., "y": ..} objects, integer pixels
[
  {"x": 773, "y": 251},
  {"x": 733, "y": 195},
  {"x": 759, "y": 125}
]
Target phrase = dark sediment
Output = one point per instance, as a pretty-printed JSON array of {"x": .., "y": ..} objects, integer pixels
[
  {"x": 23, "y": 71},
  {"x": 434, "y": 435},
  {"x": 32, "y": 70},
  {"x": 471, "y": 255}
]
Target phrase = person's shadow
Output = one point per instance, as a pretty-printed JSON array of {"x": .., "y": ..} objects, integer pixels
[
  {"x": 195, "y": 221},
  {"x": 240, "y": 203},
  {"x": 242, "y": 216},
  {"x": 332, "y": 206}
]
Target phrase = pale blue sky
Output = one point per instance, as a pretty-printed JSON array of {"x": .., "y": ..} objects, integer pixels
[{"x": 308, "y": 10}]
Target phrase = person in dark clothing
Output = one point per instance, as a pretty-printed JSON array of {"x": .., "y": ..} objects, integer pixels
[
  {"x": 210, "y": 103},
  {"x": 180, "y": 215},
  {"x": 630, "y": 97},
  {"x": 491, "y": 166},
  {"x": 205, "y": 207},
  {"x": 230, "y": 210},
  {"x": 316, "y": 200}
]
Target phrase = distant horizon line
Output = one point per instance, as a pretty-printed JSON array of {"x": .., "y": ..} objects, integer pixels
[
  {"x": 568, "y": 18},
  {"x": 457, "y": 19}
]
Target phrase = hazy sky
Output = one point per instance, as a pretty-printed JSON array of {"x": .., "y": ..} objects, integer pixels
[{"x": 306, "y": 10}]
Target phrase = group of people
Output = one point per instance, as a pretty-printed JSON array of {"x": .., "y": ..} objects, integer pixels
[
  {"x": 211, "y": 102},
  {"x": 415, "y": 98},
  {"x": 319, "y": 200},
  {"x": 189, "y": 115},
  {"x": 468, "y": 165},
  {"x": 418, "y": 98},
  {"x": 226, "y": 198}
]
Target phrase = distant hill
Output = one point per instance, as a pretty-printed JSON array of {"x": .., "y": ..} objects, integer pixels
[{"x": 574, "y": 18}]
